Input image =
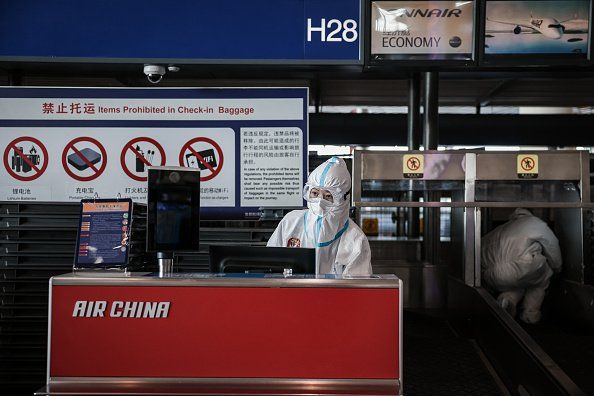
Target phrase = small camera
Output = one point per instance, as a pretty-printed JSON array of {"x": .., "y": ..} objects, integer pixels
[
  {"x": 154, "y": 73},
  {"x": 174, "y": 177}
]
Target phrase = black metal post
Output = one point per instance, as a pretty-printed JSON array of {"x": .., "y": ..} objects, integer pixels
[
  {"x": 414, "y": 112},
  {"x": 431, "y": 114},
  {"x": 414, "y": 143},
  {"x": 318, "y": 98},
  {"x": 430, "y": 142}
]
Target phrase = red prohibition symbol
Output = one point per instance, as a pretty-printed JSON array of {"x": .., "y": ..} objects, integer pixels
[
  {"x": 214, "y": 170},
  {"x": 527, "y": 163},
  {"x": 138, "y": 155},
  {"x": 25, "y": 160},
  {"x": 81, "y": 158},
  {"x": 413, "y": 163}
]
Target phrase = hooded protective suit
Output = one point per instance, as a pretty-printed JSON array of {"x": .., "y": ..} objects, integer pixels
[
  {"x": 341, "y": 247},
  {"x": 518, "y": 259}
]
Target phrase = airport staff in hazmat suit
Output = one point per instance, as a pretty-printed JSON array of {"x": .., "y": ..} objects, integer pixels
[
  {"x": 341, "y": 247},
  {"x": 518, "y": 259}
]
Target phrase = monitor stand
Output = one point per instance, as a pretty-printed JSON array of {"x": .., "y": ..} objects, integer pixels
[{"x": 165, "y": 261}]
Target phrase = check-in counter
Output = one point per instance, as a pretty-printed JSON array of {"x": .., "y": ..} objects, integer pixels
[{"x": 224, "y": 334}]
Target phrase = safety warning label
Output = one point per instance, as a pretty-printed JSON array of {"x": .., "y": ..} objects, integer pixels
[
  {"x": 85, "y": 167},
  {"x": 413, "y": 166},
  {"x": 139, "y": 154},
  {"x": 527, "y": 165},
  {"x": 25, "y": 158},
  {"x": 84, "y": 159}
]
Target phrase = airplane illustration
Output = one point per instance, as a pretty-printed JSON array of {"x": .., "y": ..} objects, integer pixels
[
  {"x": 389, "y": 20},
  {"x": 549, "y": 27}
]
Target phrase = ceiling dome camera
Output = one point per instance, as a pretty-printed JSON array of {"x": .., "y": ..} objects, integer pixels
[{"x": 154, "y": 73}]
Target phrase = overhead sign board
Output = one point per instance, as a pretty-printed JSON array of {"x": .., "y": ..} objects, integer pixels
[
  {"x": 419, "y": 30},
  {"x": 68, "y": 144},
  {"x": 221, "y": 32},
  {"x": 537, "y": 29}
]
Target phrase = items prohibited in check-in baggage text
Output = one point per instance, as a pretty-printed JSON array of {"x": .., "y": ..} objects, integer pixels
[
  {"x": 25, "y": 158},
  {"x": 202, "y": 153},
  {"x": 140, "y": 153},
  {"x": 84, "y": 159}
]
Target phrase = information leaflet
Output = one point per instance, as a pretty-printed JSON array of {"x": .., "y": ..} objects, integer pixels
[{"x": 103, "y": 235}]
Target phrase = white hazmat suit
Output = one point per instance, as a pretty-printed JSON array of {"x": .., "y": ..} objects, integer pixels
[
  {"x": 518, "y": 259},
  {"x": 341, "y": 247}
]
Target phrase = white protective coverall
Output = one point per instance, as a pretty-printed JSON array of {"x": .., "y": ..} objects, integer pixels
[
  {"x": 518, "y": 259},
  {"x": 341, "y": 247}
]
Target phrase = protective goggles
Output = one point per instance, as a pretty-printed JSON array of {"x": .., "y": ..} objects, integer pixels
[{"x": 312, "y": 193}]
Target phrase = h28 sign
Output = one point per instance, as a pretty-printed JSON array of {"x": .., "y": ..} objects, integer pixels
[{"x": 333, "y": 30}]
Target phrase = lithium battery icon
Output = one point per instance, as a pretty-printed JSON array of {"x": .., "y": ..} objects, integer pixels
[{"x": 19, "y": 159}]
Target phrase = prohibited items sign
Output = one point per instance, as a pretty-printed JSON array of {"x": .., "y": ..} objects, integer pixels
[
  {"x": 204, "y": 154},
  {"x": 84, "y": 159},
  {"x": 140, "y": 153},
  {"x": 25, "y": 158}
]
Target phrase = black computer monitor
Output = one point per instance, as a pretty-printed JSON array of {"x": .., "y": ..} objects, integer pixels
[
  {"x": 173, "y": 213},
  {"x": 242, "y": 259}
]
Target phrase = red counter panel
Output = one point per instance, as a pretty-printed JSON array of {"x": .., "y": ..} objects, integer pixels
[{"x": 228, "y": 332}]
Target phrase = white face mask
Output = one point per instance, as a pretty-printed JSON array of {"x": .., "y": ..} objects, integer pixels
[{"x": 319, "y": 207}]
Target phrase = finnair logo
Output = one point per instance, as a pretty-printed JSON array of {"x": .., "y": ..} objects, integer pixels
[{"x": 121, "y": 309}]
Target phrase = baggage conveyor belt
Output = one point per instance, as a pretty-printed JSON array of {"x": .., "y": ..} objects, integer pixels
[
  {"x": 565, "y": 332},
  {"x": 437, "y": 361},
  {"x": 570, "y": 346},
  {"x": 551, "y": 358}
]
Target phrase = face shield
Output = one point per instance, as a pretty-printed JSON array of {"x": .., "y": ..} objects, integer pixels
[{"x": 331, "y": 195}]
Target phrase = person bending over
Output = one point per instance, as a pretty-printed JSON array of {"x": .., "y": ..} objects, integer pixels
[{"x": 518, "y": 259}]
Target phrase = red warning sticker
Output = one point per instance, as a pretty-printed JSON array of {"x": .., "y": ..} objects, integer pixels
[
  {"x": 84, "y": 158},
  {"x": 140, "y": 153},
  {"x": 205, "y": 154},
  {"x": 25, "y": 158}
]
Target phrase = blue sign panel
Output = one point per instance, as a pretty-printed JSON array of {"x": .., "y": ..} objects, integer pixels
[
  {"x": 184, "y": 31},
  {"x": 68, "y": 144}
]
